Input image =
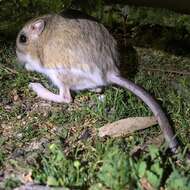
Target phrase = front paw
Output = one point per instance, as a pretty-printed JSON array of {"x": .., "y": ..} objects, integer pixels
[
  {"x": 29, "y": 67},
  {"x": 36, "y": 87}
]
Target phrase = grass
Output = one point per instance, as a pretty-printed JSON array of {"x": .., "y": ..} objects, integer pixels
[{"x": 57, "y": 144}]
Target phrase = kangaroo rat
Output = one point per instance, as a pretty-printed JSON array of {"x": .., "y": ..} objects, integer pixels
[{"x": 77, "y": 54}]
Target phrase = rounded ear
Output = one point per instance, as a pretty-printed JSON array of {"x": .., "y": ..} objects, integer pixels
[{"x": 37, "y": 27}]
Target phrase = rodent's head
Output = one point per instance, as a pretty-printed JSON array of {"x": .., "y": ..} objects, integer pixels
[{"x": 28, "y": 37}]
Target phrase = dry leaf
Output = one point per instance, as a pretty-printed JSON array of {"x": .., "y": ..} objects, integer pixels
[
  {"x": 126, "y": 126},
  {"x": 15, "y": 96},
  {"x": 27, "y": 178},
  {"x": 145, "y": 184}
]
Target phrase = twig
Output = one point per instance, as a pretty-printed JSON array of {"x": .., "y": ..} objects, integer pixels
[
  {"x": 9, "y": 69},
  {"x": 166, "y": 71}
]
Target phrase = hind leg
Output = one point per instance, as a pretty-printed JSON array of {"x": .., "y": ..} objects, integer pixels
[{"x": 64, "y": 95}]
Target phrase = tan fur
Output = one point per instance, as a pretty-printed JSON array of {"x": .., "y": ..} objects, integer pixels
[{"x": 64, "y": 42}]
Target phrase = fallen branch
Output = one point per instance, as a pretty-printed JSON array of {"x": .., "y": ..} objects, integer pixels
[
  {"x": 126, "y": 126},
  {"x": 166, "y": 71}
]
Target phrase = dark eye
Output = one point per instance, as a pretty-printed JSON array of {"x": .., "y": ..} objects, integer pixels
[{"x": 22, "y": 38}]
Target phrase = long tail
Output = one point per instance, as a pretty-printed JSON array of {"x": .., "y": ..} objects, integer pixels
[{"x": 152, "y": 104}]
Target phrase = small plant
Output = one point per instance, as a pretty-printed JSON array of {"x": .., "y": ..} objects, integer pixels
[
  {"x": 150, "y": 168},
  {"x": 115, "y": 170},
  {"x": 178, "y": 181},
  {"x": 11, "y": 183},
  {"x": 57, "y": 170}
]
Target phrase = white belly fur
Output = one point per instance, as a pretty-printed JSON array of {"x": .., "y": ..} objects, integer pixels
[{"x": 89, "y": 80}]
